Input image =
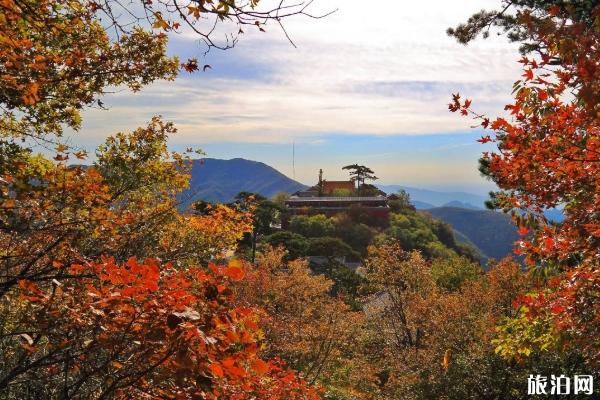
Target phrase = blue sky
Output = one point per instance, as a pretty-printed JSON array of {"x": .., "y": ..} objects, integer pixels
[
  {"x": 437, "y": 161},
  {"x": 360, "y": 88}
]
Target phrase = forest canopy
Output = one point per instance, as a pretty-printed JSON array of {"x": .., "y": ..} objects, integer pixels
[{"x": 109, "y": 291}]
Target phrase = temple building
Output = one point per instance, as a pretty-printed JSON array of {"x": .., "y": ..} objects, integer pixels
[
  {"x": 330, "y": 188},
  {"x": 334, "y": 197}
]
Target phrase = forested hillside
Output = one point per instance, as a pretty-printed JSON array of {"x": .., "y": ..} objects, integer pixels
[
  {"x": 110, "y": 291},
  {"x": 492, "y": 232}
]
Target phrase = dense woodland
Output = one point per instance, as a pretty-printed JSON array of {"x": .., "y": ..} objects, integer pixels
[{"x": 109, "y": 291}]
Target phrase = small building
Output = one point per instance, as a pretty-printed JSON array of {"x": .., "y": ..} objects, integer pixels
[
  {"x": 325, "y": 198},
  {"x": 329, "y": 188}
]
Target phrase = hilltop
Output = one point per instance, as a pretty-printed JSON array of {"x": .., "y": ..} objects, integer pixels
[{"x": 219, "y": 181}]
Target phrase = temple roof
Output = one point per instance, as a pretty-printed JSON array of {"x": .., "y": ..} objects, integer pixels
[{"x": 332, "y": 199}]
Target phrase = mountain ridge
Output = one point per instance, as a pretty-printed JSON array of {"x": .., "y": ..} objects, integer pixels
[
  {"x": 437, "y": 198},
  {"x": 218, "y": 180},
  {"x": 492, "y": 232}
]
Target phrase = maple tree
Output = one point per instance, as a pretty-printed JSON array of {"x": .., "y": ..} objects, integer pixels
[
  {"x": 56, "y": 300},
  {"x": 141, "y": 329},
  {"x": 427, "y": 339},
  {"x": 311, "y": 330},
  {"x": 104, "y": 286},
  {"x": 59, "y": 56},
  {"x": 124, "y": 205},
  {"x": 549, "y": 156}
]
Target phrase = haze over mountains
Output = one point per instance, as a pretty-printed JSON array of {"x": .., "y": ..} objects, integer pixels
[
  {"x": 425, "y": 198},
  {"x": 219, "y": 180},
  {"x": 491, "y": 232}
]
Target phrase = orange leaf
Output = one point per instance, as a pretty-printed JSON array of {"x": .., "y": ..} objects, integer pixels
[
  {"x": 446, "y": 360},
  {"x": 61, "y": 148},
  {"x": 229, "y": 362},
  {"x": 237, "y": 371},
  {"x": 499, "y": 123},
  {"x": 234, "y": 273},
  {"x": 8, "y": 203},
  {"x": 260, "y": 367},
  {"x": 30, "y": 95},
  {"x": 216, "y": 370},
  {"x": 81, "y": 155}
]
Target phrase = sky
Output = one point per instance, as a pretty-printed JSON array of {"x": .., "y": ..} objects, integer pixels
[{"x": 368, "y": 86}]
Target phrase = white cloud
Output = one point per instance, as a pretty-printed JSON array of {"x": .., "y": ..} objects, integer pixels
[{"x": 384, "y": 71}]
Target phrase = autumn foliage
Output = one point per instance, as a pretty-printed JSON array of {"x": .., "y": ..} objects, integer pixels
[
  {"x": 304, "y": 325},
  {"x": 143, "y": 329},
  {"x": 549, "y": 156},
  {"x": 83, "y": 317},
  {"x": 108, "y": 290}
]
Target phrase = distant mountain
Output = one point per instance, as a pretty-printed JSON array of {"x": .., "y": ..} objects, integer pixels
[
  {"x": 492, "y": 232},
  {"x": 219, "y": 181},
  {"x": 421, "y": 205},
  {"x": 460, "y": 204},
  {"x": 459, "y": 237},
  {"x": 436, "y": 198}
]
